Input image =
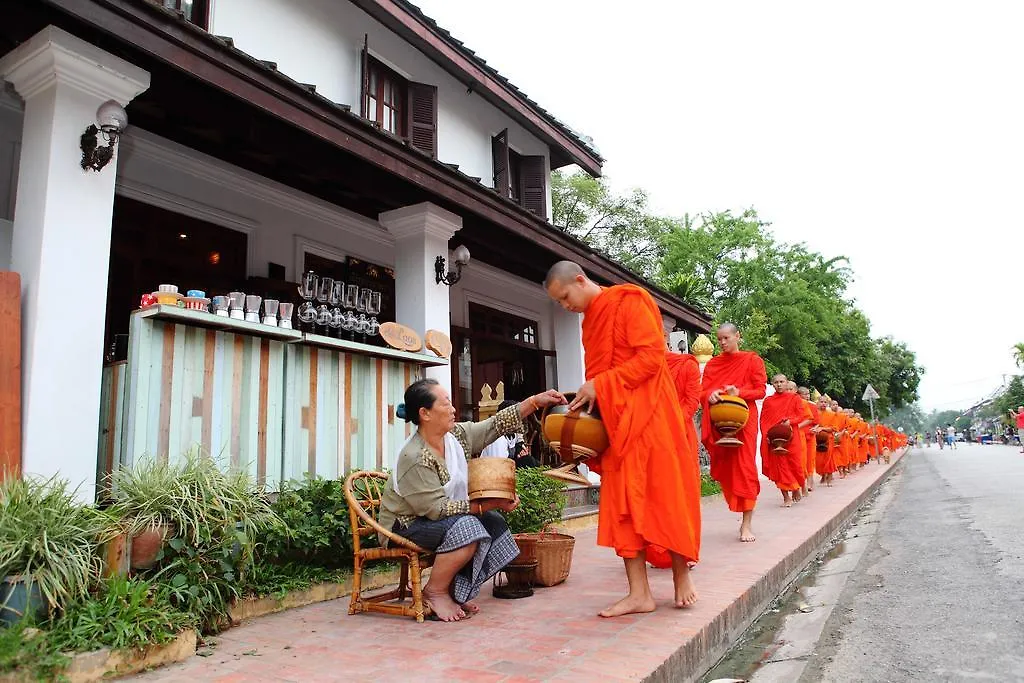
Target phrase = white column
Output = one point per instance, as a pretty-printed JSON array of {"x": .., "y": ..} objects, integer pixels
[
  {"x": 61, "y": 246},
  {"x": 421, "y": 235},
  {"x": 569, "y": 349}
]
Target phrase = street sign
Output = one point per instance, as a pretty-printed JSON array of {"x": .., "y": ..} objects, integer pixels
[{"x": 870, "y": 394}]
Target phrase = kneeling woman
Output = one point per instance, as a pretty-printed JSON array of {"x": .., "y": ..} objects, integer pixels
[{"x": 427, "y": 499}]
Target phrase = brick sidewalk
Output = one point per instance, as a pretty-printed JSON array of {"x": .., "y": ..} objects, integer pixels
[{"x": 555, "y": 635}]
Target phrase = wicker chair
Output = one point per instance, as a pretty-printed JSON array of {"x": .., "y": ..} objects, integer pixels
[{"x": 363, "y": 491}]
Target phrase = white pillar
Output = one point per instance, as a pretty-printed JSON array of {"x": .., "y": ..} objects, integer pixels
[
  {"x": 61, "y": 246},
  {"x": 421, "y": 235},
  {"x": 569, "y": 349}
]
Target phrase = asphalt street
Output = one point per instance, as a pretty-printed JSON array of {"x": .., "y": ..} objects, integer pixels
[{"x": 938, "y": 594}]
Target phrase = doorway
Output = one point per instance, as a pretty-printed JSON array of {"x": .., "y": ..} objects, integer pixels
[{"x": 496, "y": 347}]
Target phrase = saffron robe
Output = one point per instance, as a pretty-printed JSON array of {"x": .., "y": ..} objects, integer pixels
[
  {"x": 785, "y": 469},
  {"x": 811, "y": 458},
  {"x": 735, "y": 468},
  {"x": 826, "y": 462},
  {"x": 685, "y": 371},
  {"x": 650, "y": 485}
]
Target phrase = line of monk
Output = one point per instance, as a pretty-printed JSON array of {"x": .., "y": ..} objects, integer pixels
[{"x": 650, "y": 474}]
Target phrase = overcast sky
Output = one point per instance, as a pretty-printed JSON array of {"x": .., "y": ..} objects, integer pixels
[{"x": 890, "y": 132}]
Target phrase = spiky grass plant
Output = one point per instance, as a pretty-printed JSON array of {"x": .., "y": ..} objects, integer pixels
[{"x": 48, "y": 539}]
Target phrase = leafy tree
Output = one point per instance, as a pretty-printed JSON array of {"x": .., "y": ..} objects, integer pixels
[
  {"x": 618, "y": 226},
  {"x": 910, "y": 417},
  {"x": 1018, "y": 354}
]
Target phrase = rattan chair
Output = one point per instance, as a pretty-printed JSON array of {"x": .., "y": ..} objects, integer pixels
[{"x": 363, "y": 492}]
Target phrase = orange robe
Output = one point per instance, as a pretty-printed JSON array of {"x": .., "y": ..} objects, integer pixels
[
  {"x": 826, "y": 460},
  {"x": 650, "y": 486},
  {"x": 685, "y": 371},
  {"x": 735, "y": 468},
  {"x": 785, "y": 469},
  {"x": 810, "y": 440},
  {"x": 843, "y": 451}
]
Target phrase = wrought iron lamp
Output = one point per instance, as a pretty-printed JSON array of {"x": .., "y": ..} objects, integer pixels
[
  {"x": 460, "y": 257},
  {"x": 112, "y": 120}
]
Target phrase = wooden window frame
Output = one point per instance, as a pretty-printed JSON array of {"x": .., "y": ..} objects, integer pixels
[{"x": 399, "y": 104}]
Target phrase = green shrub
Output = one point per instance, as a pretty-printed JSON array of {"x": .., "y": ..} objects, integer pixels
[
  {"x": 541, "y": 501},
  {"x": 45, "y": 534},
  {"x": 31, "y": 653},
  {"x": 708, "y": 486},
  {"x": 124, "y": 613},
  {"x": 219, "y": 519},
  {"x": 317, "y": 520}
]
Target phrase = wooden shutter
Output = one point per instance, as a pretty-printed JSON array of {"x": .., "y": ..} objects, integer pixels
[
  {"x": 364, "y": 76},
  {"x": 499, "y": 152},
  {"x": 533, "y": 193},
  {"x": 422, "y": 118}
]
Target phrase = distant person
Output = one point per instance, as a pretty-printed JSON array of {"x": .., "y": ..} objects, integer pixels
[
  {"x": 939, "y": 439},
  {"x": 951, "y": 436},
  {"x": 504, "y": 445},
  {"x": 1018, "y": 417}
]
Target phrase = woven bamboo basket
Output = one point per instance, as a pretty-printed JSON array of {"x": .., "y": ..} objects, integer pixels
[{"x": 551, "y": 551}]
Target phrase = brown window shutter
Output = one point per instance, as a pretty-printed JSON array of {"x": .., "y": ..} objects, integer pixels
[
  {"x": 422, "y": 117},
  {"x": 534, "y": 191},
  {"x": 364, "y": 75},
  {"x": 499, "y": 153}
]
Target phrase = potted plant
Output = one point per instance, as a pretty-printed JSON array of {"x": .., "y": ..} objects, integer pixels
[
  {"x": 541, "y": 501},
  {"x": 48, "y": 547},
  {"x": 193, "y": 500}
]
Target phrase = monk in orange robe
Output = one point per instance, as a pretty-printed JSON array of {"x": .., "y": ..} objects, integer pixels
[
  {"x": 650, "y": 485},
  {"x": 685, "y": 371},
  {"x": 825, "y": 463},
  {"x": 810, "y": 468},
  {"x": 786, "y": 469},
  {"x": 843, "y": 447},
  {"x": 737, "y": 373}
]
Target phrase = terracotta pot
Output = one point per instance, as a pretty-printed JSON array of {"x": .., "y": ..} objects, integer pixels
[
  {"x": 116, "y": 556},
  {"x": 780, "y": 435},
  {"x": 147, "y": 544},
  {"x": 492, "y": 478},
  {"x": 577, "y": 435},
  {"x": 729, "y": 416}
]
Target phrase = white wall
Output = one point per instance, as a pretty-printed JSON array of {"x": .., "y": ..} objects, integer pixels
[{"x": 320, "y": 41}]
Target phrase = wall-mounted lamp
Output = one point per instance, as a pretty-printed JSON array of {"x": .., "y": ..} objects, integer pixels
[
  {"x": 112, "y": 120},
  {"x": 461, "y": 258}
]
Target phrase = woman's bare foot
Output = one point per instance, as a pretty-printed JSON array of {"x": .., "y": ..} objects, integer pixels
[
  {"x": 686, "y": 593},
  {"x": 629, "y": 605},
  {"x": 470, "y": 607},
  {"x": 442, "y": 605}
]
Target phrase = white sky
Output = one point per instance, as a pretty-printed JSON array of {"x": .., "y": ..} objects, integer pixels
[{"x": 890, "y": 132}]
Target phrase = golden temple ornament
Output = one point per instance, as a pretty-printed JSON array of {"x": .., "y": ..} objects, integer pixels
[{"x": 702, "y": 348}]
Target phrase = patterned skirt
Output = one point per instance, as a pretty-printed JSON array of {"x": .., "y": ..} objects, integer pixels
[{"x": 495, "y": 549}]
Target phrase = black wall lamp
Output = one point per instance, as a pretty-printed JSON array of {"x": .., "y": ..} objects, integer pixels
[
  {"x": 112, "y": 120},
  {"x": 461, "y": 257}
]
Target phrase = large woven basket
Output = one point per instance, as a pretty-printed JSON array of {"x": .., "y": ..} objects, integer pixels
[{"x": 551, "y": 551}]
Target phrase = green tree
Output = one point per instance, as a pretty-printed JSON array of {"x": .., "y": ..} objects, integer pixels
[
  {"x": 910, "y": 417},
  {"x": 1018, "y": 354},
  {"x": 618, "y": 226}
]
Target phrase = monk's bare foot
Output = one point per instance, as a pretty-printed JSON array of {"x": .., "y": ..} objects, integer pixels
[
  {"x": 443, "y": 606},
  {"x": 470, "y": 607},
  {"x": 797, "y": 496},
  {"x": 747, "y": 534},
  {"x": 788, "y": 504},
  {"x": 686, "y": 594},
  {"x": 629, "y": 605}
]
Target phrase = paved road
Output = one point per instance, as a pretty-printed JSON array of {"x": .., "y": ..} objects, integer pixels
[{"x": 939, "y": 592}]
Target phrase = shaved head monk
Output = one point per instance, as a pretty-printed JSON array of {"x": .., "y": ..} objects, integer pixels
[
  {"x": 737, "y": 373},
  {"x": 650, "y": 484},
  {"x": 811, "y": 435},
  {"x": 786, "y": 469}
]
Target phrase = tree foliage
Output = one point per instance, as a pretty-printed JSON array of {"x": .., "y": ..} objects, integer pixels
[{"x": 789, "y": 302}]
